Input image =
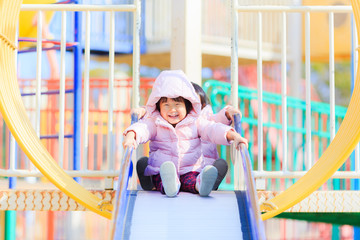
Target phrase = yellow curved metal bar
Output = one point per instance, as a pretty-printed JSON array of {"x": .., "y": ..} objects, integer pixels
[
  {"x": 335, "y": 155},
  {"x": 14, "y": 114}
]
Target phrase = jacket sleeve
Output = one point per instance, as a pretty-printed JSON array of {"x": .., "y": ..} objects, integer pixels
[
  {"x": 144, "y": 129},
  {"x": 220, "y": 117},
  {"x": 212, "y": 131}
]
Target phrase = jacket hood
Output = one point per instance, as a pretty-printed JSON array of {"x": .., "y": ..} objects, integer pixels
[{"x": 173, "y": 84}]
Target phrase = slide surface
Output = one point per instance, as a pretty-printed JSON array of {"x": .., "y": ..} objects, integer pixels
[
  {"x": 332, "y": 159},
  {"x": 152, "y": 215},
  {"x": 14, "y": 114}
]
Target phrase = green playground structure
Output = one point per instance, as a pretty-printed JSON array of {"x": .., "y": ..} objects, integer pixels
[{"x": 219, "y": 94}]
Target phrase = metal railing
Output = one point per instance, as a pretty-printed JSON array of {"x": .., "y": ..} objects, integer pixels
[
  {"x": 246, "y": 184},
  {"x": 108, "y": 168},
  {"x": 285, "y": 172},
  {"x": 216, "y": 28}
]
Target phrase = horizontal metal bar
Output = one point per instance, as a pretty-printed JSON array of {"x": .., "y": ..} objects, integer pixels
[
  {"x": 299, "y": 174},
  {"x": 55, "y": 136},
  {"x": 88, "y": 173},
  {"x": 44, "y": 49},
  {"x": 78, "y": 7},
  {"x": 108, "y": 173},
  {"x": 50, "y": 92},
  {"x": 335, "y": 9}
]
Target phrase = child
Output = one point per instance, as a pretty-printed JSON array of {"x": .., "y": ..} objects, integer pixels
[
  {"x": 174, "y": 128},
  {"x": 209, "y": 150}
]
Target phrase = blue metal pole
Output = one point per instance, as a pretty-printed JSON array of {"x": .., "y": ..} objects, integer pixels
[{"x": 77, "y": 88}]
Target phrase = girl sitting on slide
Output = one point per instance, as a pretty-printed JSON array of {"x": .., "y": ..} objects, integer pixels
[
  {"x": 209, "y": 149},
  {"x": 174, "y": 129}
]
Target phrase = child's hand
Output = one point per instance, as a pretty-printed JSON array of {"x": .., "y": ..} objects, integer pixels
[
  {"x": 231, "y": 112},
  {"x": 129, "y": 140},
  {"x": 140, "y": 111},
  {"x": 237, "y": 138}
]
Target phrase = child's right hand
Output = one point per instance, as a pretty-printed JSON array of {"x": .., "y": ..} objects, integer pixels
[
  {"x": 140, "y": 111},
  {"x": 129, "y": 140},
  {"x": 237, "y": 138}
]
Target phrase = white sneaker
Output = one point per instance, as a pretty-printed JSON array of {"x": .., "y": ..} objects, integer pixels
[
  {"x": 206, "y": 180},
  {"x": 169, "y": 179}
]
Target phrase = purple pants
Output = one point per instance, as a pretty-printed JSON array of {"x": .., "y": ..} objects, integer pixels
[{"x": 187, "y": 182}]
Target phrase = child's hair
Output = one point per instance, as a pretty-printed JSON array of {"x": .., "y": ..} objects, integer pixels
[
  {"x": 203, "y": 97},
  {"x": 188, "y": 104}
]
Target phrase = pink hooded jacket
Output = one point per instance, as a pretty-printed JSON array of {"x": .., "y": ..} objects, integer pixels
[
  {"x": 182, "y": 144},
  {"x": 209, "y": 149}
]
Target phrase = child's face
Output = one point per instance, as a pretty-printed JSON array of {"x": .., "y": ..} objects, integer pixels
[{"x": 173, "y": 111}]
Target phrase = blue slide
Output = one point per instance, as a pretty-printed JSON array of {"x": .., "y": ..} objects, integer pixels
[{"x": 222, "y": 215}]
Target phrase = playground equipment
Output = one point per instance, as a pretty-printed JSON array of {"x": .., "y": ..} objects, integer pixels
[
  {"x": 219, "y": 93},
  {"x": 13, "y": 111},
  {"x": 9, "y": 113},
  {"x": 335, "y": 155},
  {"x": 37, "y": 153},
  {"x": 147, "y": 214},
  {"x": 21, "y": 127}
]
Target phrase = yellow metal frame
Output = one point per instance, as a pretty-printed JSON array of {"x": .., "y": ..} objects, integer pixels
[
  {"x": 338, "y": 151},
  {"x": 14, "y": 114}
]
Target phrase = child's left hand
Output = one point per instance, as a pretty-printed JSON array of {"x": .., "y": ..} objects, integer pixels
[{"x": 237, "y": 138}]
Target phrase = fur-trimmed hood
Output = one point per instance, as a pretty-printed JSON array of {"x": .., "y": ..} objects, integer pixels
[{"x": 173, "y": 84}]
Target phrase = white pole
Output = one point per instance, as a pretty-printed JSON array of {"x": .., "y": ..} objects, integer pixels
[
  {"x": 186, "y": 38},
  {"x": 136, "y": 55},
  {"x": 110, "y": 158},
  {"x": 136, "y": 78},
  {"x": 86, "y": 92},
  {"x": 308, "y": 163},
  {"x": 284, "y": 92},
  {"x": 234, "y": 89},
  {"x": 38, "y": 71},
  {"x": 234, "y": 55},
  {"x": 259, "y": 86},
  {"x": 62, "y": 89},
  {"x": 38, "y": 77},
  {"x": 332, "y": 75}
]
